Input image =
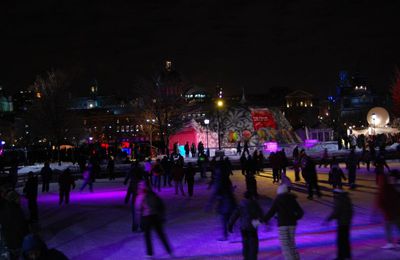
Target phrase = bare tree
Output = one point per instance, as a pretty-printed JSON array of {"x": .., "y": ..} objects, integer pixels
[
  {"x": 163, "y": 99},
  {"x": 49, "y": 116}
]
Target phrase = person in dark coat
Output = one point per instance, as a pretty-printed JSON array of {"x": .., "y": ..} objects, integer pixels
[
  {"x": 246, "y": 147},
  {"x": 193, "y": 150},
  {"x": 310, "y": 176},
  {"x": 33, "y": 248},
  {"x": 239, "y": 148},
  {"x": 200, "y": 147},
  {"x": 65, "y": 183},
  {"x": 251, "y": 182},
  {"x": 111, "y": 168},
  {"x": 255, "y": 161},
  {"x": 190, "y": 172},
  {"x": 187, "y": 149},
  {"x": 260, "y": 161},
  {"x": 273, "y": 160},
  {"x": 243, "y": 163},
  {"x": 177, "y": 175},
  {"x": 14, "y": 226},
  {"x": 343, "y": 213},
  {"x": 135, "y": 174},
  {"x": 336, "y": 175},
  {"x": 166, "y": 165},
  {"x": 249, "y": 213},
  {"x": 282, "y": 162},
  {"x": 96, "y": 169},
  {"x": 352, "y": 162},
  {"x": 202, "y": 164},
  {"x": 157, "y": 172},
  {"x": 31, "y": 192},
  {"x": 46, "y": 173},
  {"x": 289, "y": 212},
  {"x": 295, "y": 153}
]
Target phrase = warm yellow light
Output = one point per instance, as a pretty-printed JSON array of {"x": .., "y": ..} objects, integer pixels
[{"x": 220, "y": 103}]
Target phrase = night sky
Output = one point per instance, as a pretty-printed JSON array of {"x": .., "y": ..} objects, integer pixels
[{"x": 238, "y": 43}]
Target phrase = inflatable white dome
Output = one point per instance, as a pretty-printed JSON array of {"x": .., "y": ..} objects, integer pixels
[{"x": 378, "y": 117}]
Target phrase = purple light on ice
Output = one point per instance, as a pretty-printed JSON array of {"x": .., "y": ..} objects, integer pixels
[
  {"x": 85, "y": 195},
  {"x": 308, "y": 143},
  {"x": 271, "y": 146}
]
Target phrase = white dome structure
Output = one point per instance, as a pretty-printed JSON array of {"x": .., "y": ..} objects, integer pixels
[{"x": 378, "y": 117}]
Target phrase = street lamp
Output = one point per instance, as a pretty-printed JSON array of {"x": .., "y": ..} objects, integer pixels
[
  {"x": 206, "y": 122},
  {"x": 373, "y": 121},
  {"x": 220, "y": 105}
]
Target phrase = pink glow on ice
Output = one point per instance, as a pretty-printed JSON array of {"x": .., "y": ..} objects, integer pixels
[
  {"x": 308, "y": 143},
  {"x": 271, "y": 146}
]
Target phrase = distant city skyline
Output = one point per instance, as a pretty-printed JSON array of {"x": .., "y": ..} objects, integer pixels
[{"x": 237, "y": 44}]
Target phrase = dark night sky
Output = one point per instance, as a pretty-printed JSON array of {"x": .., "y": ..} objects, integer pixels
[{"x": 253, "y": 44}]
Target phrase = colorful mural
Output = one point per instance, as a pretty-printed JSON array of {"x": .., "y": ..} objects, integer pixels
[{"x": 256, "y": 125}]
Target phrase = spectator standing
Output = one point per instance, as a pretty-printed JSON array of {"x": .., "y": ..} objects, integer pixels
[
  {"x": 65, "y": 182},
  {"x": 166, "y": 165},
  {"x": 273, "y": 160},
  {"x": 193, "y": 150},
  {"x": 111, "y": 168},
  {"x": 189, "y": 178},
  {"x": 31, "y": 192},
  {"x": 46, "y": 173},
  {"x": 187, "y": 149},
  {"x": 352, "y": 162}
]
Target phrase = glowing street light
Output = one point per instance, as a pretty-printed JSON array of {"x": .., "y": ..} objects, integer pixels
[
  {"x": 207, "y": 122},
  {"x": 373, "y": 121},
  {"x": 220, "y": 105}
]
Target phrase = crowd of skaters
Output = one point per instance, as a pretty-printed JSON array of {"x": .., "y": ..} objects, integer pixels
[{"x": 146, "y": 177}]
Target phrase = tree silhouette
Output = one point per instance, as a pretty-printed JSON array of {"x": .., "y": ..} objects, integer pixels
[
  {"x": 49, "y": 116},
  {"x": 163, "y": 99},
  {"x": 395, "y": 89}
]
